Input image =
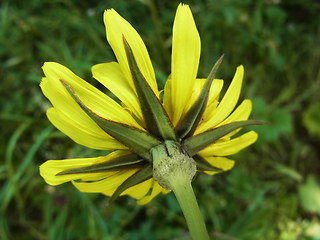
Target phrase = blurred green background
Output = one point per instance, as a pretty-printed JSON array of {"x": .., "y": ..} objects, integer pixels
[{"x": 272, "y": 193}]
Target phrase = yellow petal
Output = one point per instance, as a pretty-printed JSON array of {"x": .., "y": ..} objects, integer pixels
[
  {"x": 107, "y": 185},
  {"x": 69, "y": 118},
  {"x": 140, "y": 190},
  {"x": 94, "y": 99},
  {"x": 156, "y": 189},
  {"x": 51, "y": 168},
  {"x": 163, "y": 190},
  {"x": 213, "y": 93},
  {"x": 116, "y": 28},
  {"x": 241, "y": 113},
  {"x": 83, "y": 130},
  {"x": 219, "y": 162},
  {"x": 227, "y": 104},
  {"x": 167, "y": 103},
  {"x": 197, "y": 87},
  {"x": 215, "y": 90},
  {"x": 186, "y": 49},
  {"x": 225, "y": 148},
  {"x": 111, "y": 76}
]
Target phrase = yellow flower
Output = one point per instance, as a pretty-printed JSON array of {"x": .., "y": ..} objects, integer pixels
[{"x": 190, "y": 108}]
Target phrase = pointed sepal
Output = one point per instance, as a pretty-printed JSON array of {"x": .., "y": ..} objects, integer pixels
[
  {"x": 127, "y": 161},
  {"x": 191, "y": 119},
  {"x": 198, "y": 142},
  {"x": 140, "y": 176},
  {"x": 155, "y": 116},
  {"x": 136, "y": 140}
]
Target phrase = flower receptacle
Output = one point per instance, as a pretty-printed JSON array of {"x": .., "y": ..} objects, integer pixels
[{"x": 172, "y": 163}]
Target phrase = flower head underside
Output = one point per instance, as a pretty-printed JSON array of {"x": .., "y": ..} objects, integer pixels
[{"x": 192, "y": 113}]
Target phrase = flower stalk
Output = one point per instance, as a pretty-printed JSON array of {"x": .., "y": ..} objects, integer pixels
[
  {"x": 184, "y": 193},
  {"x": 174, "y": 170}
]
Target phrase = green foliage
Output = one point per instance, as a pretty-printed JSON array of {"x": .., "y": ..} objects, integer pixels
[
  {"x": 309, "y": 194},
  {"x": 268, "y": 194},
  {"x": 279, "y": 121},
  {"x": 311, "y": 119}
]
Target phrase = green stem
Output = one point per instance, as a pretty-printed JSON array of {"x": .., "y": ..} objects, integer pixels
[
  {"x": 182, "y": 188},
  {"x": 174, "y": 170}
]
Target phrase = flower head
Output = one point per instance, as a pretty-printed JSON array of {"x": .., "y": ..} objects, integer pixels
[{"x": 191, "y": 115}]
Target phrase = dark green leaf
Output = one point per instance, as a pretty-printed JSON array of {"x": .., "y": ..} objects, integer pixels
[
  {"x": 198, "y": 142},
  {"x": 203, "y": 165},
  {"x": 125, "y": 161},
  {"x": 155, "y": 116},
  {"x": 140, "y": 176},
  {"x": 189, "y": 123},
  {"x": 138, "y": 141}
]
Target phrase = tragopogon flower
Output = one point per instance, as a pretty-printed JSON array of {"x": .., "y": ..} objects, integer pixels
[{"x": 191, "y": 115}]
